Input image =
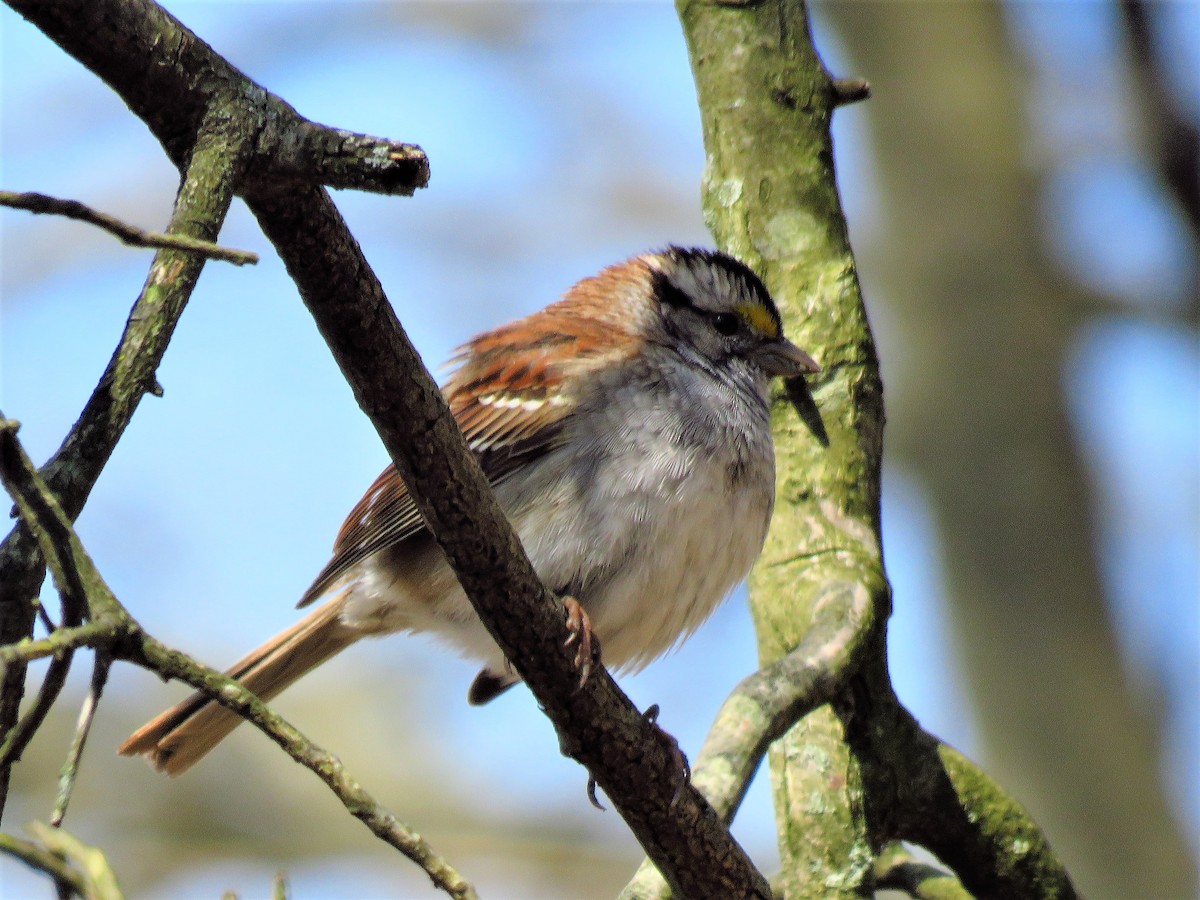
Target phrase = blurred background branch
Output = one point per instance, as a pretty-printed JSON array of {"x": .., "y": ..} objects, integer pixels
[
  {"x": 74, "y": 866},
  {"x": 992, "y": 321},
  {"x": 1171, "y": 136}
]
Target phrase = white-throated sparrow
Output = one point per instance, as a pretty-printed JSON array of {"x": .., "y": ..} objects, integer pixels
[{"x": 626, "y": 433}]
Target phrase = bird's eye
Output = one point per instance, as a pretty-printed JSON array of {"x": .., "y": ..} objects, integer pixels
[{"x": 726, "y": 323}]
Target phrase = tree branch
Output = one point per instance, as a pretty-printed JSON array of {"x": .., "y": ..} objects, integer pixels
[
  {"x": 17, "y": 738},
  {"x": 317, "y": 154},
  {"x": 1174, "y": 136},
  {"x": 850, "y": 90},
  {"x": 70, "y": 768},
  {"x": 98, "y": 880},
  {"x": 38, "y": 857},
  {"x": 27, "y": 649},
  {"x": 977, "y": 829},
  {"x": 204, "y": 197},
  {"x": 128, "y": 234},
  {"x": 159, "y": 658},
  {"x": 597, "y": 726},
  {"x": 896, "y": 869},
  {"x": 170, "y": 78}
]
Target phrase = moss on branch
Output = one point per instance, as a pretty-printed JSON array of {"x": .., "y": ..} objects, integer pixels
[{"x": 856, "y": 774}]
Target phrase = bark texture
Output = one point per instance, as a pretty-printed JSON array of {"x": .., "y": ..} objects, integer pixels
[
  {"x": 860, "y": 772},
  {"x": 987, "y": 322}
]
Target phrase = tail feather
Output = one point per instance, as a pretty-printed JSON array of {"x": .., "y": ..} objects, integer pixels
[{"x": 181, "y": 736}]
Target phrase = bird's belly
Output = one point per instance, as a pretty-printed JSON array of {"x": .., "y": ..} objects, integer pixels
[{"x": 651, "y": 556}]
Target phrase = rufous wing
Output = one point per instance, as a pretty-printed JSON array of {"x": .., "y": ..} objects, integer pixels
[{"x": 511, "y": 396}]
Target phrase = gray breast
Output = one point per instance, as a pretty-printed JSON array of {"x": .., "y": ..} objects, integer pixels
[{"x": 654, "y": 508}]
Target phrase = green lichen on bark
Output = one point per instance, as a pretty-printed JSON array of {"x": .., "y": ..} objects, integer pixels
[
  {"x": 770, "y": 197},
  {"x": 860, "y": 772},
  {"x": 1022, "y": 855}
]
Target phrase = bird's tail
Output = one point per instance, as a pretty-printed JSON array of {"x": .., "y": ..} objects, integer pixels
[{"x": 181, "y": 736}]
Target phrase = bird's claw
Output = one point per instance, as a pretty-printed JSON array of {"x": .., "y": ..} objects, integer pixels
[
  {"x": 683, "y": 769},
  {"x": 587, "y": 654}
]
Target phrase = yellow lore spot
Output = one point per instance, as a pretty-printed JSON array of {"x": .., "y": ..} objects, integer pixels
[{"x": 757, "y": 317}]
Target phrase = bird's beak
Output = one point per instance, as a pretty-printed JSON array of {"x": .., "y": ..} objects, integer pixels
[{"x": 782, "y": 357}]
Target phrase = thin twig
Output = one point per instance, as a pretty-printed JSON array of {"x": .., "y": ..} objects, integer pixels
[
  {"x": 159, "y": 658},
  {"x": 47, "y": 622},
  {"x": 91, "y": 634},
  {"x": 20, "y": 736},
  {"x": 12, "y": 463},
  {"x": 33, "y": 202},
  {"x": 849, "y": 90},
  {"x": 70, "y": 769},
  {"x": 213, "y": 169}
]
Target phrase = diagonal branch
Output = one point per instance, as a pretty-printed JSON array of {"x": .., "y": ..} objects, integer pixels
[
  {"x": 990, "y": 841},
  {"x": 598, "y": 725},
  {"x": 55, "y": 547},
  {"x": 157, "y": 657},
  {"x": 768, "y": 703},
  {"x": 18, "y": 737}
]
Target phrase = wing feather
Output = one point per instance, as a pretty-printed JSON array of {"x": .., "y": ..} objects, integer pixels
[{"x": 511, "y": 396}]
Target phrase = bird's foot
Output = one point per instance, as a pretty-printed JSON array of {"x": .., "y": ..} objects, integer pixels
[{"x": 587, "y": 653}]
